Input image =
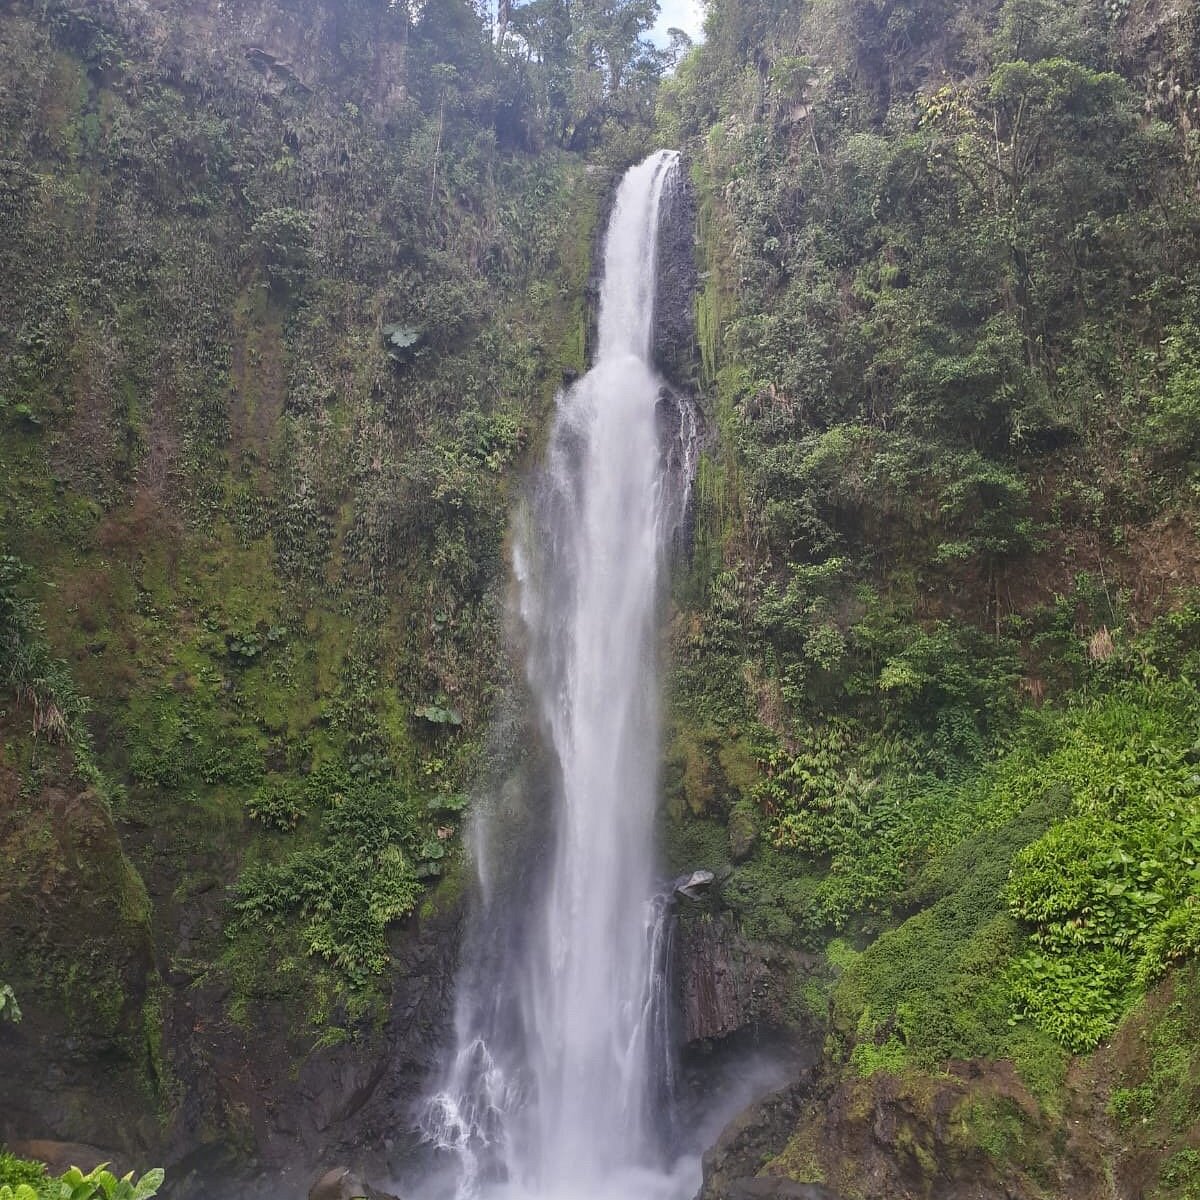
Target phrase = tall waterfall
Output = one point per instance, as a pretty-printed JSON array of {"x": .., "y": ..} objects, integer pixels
[{"x": 560, "y": 1084}]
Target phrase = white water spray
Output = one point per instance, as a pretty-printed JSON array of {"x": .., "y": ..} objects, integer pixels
[{"x": 560, "y": 1086}]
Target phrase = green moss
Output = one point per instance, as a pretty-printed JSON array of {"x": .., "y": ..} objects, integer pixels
[
  {"x": 1160, "y": 1089},
  {"x": 999, "y": 1126},
  {"x": 888, "y": 1057},
  {"x": 800, "y": 1159},
  {"x": 1042, "y": 1063},
  {"x": 942, "y": 970},
  {"x": 449, "y": 894},
  {"x": 1179, "y": 1176},
  {"x": 165, "y": 1086},
  {"x": 688, "y": 844}
]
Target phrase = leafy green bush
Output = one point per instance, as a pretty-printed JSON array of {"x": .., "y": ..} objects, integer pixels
[
  {"x": 1182, "y": 1170},
  {"x": 879, "y": 1049},
  {"x": 16, "y": 1172},
  {"x": 281, "y": 237},
  {"x": 1077, "y": 1001},
  {"x": 1087, "y": 834},
  {"x": 101, "y": 1184},
  {"x": 1174, "y": 424},
  {"x": 1112, "y": 893},
  {"x": 21, "y": 1179},
  {"x": 278, "y": 803},
  {"x": 339, "y": 897},
  {"x": 176, "y": 739}
]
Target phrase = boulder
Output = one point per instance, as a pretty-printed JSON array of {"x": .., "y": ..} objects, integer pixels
[
  {"x": 344, "y": 1183},
  {"x": 695, "y": 885}
]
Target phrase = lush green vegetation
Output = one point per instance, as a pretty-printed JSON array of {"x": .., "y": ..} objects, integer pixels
[
  {"x": 268, "y": 526},
  {"x": 21, "y": 1179},
  {"x": 282, "y": 319},
  {"x": 936, "y": 665},
  {"x": 281, "y": 328}
]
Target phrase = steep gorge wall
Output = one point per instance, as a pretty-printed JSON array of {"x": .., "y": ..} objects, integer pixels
[
  {"x": 937, "y": 647},
  {"x": 261, "y": 534}
]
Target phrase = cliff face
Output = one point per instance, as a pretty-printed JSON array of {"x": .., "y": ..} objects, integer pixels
[
  {"x": 675, "y": 349},
  {"x": 75, "y": 913},
  {"x": 283, "y": 310},
  {"x": 729, "y": 984},
  {"x": 944, "y": 523},
  {"x": 352, "y": 51}
]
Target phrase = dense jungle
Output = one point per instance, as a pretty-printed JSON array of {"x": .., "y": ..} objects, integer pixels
[{"x": 287, "y": 292}]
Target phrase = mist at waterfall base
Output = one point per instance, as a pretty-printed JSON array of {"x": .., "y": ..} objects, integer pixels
[{"x": 562, "y": 1082}]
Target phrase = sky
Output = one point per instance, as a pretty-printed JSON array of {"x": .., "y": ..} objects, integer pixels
[{"x": 687, "y": 15}]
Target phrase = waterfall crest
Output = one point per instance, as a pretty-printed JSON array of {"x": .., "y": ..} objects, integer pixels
[{"x": 560, "y": 1083}]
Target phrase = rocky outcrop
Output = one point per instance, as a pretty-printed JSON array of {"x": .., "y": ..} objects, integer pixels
[
  {"x": 751, "y": 1140},
  {"x": 728, "y": 983},
  {"x": 977, "y": 1134},
  {"x": 284, "y": 44},
  {"x": 344, "y": 1183},
  {"x": 675, "y": 352}
]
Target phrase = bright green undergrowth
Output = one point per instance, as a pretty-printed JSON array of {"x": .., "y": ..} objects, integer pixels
[
  {"x": 1070, "y": 884},
  {"x": 23, "y": 1179},
  {"x": 378, "y": 846},
  {"x": 1014, "y": 902}
]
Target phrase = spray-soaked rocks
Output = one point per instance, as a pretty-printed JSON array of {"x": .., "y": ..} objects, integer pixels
[
  {"x": 344, "y": 1183},
  {"x": 725, "y": 981}
]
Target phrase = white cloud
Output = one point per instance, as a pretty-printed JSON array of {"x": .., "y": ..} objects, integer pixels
[{"x": 687, "y": 15}]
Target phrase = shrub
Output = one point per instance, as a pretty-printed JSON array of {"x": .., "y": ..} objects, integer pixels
[
  {"x": 278, "y": 804},
  {"x": 21, "y": 1179},
  {"x": 377, "y": 845},
  {"x": 1077, "y": 1001},
  {"x": 10, "y": 1010}
]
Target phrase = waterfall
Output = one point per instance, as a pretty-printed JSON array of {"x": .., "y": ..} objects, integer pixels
[{"x": 559, "y": 1088}]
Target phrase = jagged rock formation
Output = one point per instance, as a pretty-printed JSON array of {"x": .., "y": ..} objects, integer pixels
[
  {"x": 675, "y": 352},
  {"x": 728, "y": 983}
]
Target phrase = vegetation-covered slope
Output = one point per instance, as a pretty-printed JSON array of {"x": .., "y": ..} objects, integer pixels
[
  {"x": 287, "y": 290},
  {"x": 935, "y": 701}
]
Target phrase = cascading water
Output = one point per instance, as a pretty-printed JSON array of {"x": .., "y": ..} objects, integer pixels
[{"x": 559, "y": 1088}]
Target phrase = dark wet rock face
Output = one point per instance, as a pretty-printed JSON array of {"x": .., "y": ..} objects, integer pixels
[
  {"x": 354, "y": 1100},
  {"x": 69, "y": 898},
  {"x": 344, "y": 1183},
  {"x": 727, "y": 982},
  {"x": 675, "y": 353},
  {"x": 751, "y": 1140}
]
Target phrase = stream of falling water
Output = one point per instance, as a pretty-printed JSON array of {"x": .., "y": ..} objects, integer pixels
[{"x": 560, "y": 1086}]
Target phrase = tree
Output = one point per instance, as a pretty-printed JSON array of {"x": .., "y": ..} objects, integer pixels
[
  {"x": 592, "y": 62},
  {"x": 678, "y": 45}
]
